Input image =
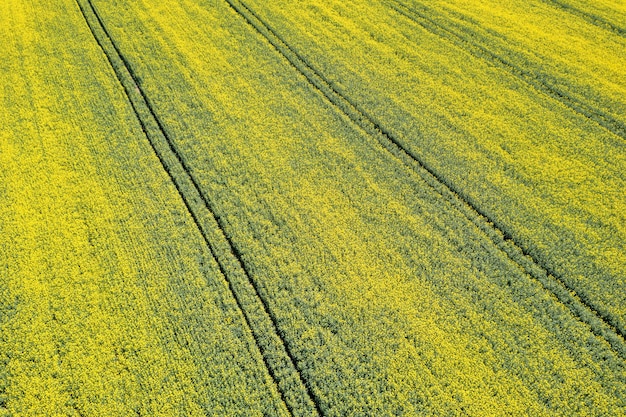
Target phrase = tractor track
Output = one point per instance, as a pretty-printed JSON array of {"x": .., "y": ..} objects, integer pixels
[
  {"x": 591, "y": 18},
  {"x": 600, "y": 323},
  {"x": 595, "y": 115},
  {"x": 275, "y": 351}
]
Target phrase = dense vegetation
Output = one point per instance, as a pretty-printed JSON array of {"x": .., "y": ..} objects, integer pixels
[
  {"x": 111, "y": 303},
  {"x": 479, "y": 97},
  {"x": 316, "y": 207}
]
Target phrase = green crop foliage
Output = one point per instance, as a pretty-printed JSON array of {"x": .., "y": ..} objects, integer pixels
[
  {"x": 205, "y": 212},
  {"x": 391, "y": 301},
  {"x": 476, "y": 90},
  {"x": 607, "y": 14},
  {"x": 110, "y": 304}
]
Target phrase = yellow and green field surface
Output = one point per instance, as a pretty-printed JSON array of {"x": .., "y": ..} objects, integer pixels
[{"x": 312, "y": 208}]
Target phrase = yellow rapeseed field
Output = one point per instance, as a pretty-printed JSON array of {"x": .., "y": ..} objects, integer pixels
[
  {"x": 322, "y": 207},
  {"x": 519, "y": 105},
  {"x": 111, "y": 304}
]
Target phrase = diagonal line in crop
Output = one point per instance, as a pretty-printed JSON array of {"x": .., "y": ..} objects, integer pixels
[
  {"x": 593, "y": 19},
  {"x": 278, "y": 359},
  {"x": 596, "y": 115},
  {"x": 599, "y": 323}
]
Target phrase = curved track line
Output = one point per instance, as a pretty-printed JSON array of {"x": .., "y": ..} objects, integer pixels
[
  {"x": 599, "y": 117},
  {"x": 591, "y": 18},
  {"x": 270, "y": 341},
  {"x": 599, "y": 323}
]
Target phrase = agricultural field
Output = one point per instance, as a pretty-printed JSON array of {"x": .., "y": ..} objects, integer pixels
[{"x": 312, "y": 208}]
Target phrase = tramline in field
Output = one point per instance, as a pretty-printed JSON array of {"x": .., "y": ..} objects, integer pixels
[{"x": 321, "y": 207}]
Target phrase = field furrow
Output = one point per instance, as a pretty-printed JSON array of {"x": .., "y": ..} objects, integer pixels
[
  {"x": 376, "y": 281},
  {"x": 547, "y": 176},
  {"x": 571, "y": 61},
  {"x": 111, "y": 304},
  {"x": 276, "y": 354},
  {"x": 538, "y": 80},
  {"x": 610, "y": 15},
  {"x": 601, "y": 324},
  {"x": 312, "y": 208}
]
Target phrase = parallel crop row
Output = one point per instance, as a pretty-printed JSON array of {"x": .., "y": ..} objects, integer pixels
[
  {"x": 110, "y": 302},
  {"x": 321, "y": 207},
  {"x": 259, "y": 318},
  {"x": 606, "y": 14},
  {"x": 600, "y": 323},
  {"x": 544, "y": 173},
  {"x": 571, "y": 80},
  {"x": 389, "y": 299}
]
